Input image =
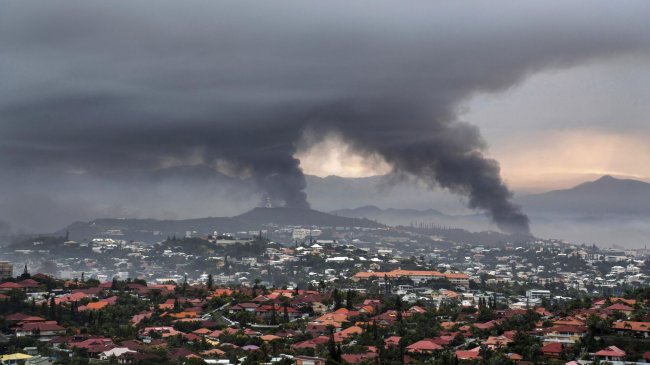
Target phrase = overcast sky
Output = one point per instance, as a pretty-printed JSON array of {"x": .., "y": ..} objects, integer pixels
[
  {"x": 553, "y": 130},
  {"x": 580, "y": 123},
  {"x": 98, "y": 94}
]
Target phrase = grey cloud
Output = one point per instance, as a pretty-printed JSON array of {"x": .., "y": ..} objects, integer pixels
[{"x": 124, "y": 87}]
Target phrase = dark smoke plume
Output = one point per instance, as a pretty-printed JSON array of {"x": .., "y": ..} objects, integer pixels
[
  {"x": 440, "y": 152},
  {"x": 122, "y": 88}
]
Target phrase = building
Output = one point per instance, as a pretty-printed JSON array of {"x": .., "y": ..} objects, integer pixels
[
  {"x": 46, "y": 330},
  {"x": 300, "y": 233},
  {"x": 611, "y": 353},
  {"x": 417, "y": 276},
  {"x": 457, "y": 279},
  {"x": 308, "y": 360},
  {"x": 564, "y": 334},
  {"x": 14, "y": 359},
  {"x": 6, "y": 270},
  {"x": 534, "y": 294},
  {"x": 553, "y": 350},
  {"x": 636, "y": 329}
]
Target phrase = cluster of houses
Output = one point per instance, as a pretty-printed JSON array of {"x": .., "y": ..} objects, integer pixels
[
  {"x": 298, "y": 323},
  {"x": 301, "y": 323},
  {"x": 357, "y": 254}
]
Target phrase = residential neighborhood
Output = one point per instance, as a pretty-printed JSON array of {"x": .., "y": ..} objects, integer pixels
[{"x": 350, "y": 298}]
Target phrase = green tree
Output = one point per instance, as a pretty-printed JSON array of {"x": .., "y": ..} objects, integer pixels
[
  {"x": 334, "y": 352},
  {"x": 210, "y": 282},
  {"x": 285, "y": 308},
  {"x": 52, "y": 314},
  {"x": 338, "y": 300},
  {"x": 349, "y": 299}
]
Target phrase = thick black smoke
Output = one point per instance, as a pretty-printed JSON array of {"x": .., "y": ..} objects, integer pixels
[
  {"x": 118, "y": 88},
  {"x": 438, "y": 151}
]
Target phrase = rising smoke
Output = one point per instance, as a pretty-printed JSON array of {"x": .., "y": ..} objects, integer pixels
[
  {"x": 434, "y": 148},
  {"x": 118, "y": 88}
]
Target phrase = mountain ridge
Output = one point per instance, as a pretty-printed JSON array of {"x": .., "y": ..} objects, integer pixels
[
  {"x": 251, "y": 220},
  {"x": 370, "y": 211},
  {"x": 605, "y": 195},
  {"x": 602, "y": 205}
]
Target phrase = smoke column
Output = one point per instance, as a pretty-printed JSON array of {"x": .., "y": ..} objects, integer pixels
[{"x": 441, "y": 152}]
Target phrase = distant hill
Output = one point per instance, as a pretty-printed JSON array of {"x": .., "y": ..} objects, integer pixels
[
  {"x": 391, "y": 216},
  {"x": 448, "y": 228},
  {"x": 144, "y": 229},
  {"x": 138, "y": 229},
  {"x": 607, "y": 210},
  {"x": 605, "y": 196},
  {"x": 301, "y": 217},
  {"x": 458, "y": 235},
  {"x": 334, "y": 193},
  {"x": 405, "y": 217}
]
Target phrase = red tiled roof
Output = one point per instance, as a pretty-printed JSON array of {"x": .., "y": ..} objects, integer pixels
[
  {"x": 620, "y": 307},
  {"x": 424, "y": 346},
  {"x": 566, "y": 329},
  {"x": 10, "y": 285},
  {"x": 632, "y": 326},
  {"x": 16, "y": 317},
  {"x": 601, "y": 302},
  {"x": 42, "y": 326},
  {"x": 93, "y": 343},
  {"x": 485, "y": 326},
  {"x": 137, "y": 318},
  {"x": 392, "y": 341},
  {"x": 180, "y": 352},
  {"x": 33, "y": 319},
  {"x": 467, "y": 355},
  {"x": 29, "y": 283},
  {"x": 313, "y": 343},
  {"x": 552, "y": 348},
  {"x": 73, "y": 297},
  {"x": 611, "y": 351}
]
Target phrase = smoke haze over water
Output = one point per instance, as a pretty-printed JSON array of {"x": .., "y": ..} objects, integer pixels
[{"x": 99, "y": 90}]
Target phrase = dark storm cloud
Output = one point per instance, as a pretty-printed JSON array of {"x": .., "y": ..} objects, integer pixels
[{"x": 124, "y": 87}]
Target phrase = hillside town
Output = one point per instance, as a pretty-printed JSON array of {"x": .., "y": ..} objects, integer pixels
[
  {"x": 318, "y": 295},
  {"x": 331, "y": 182}
]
